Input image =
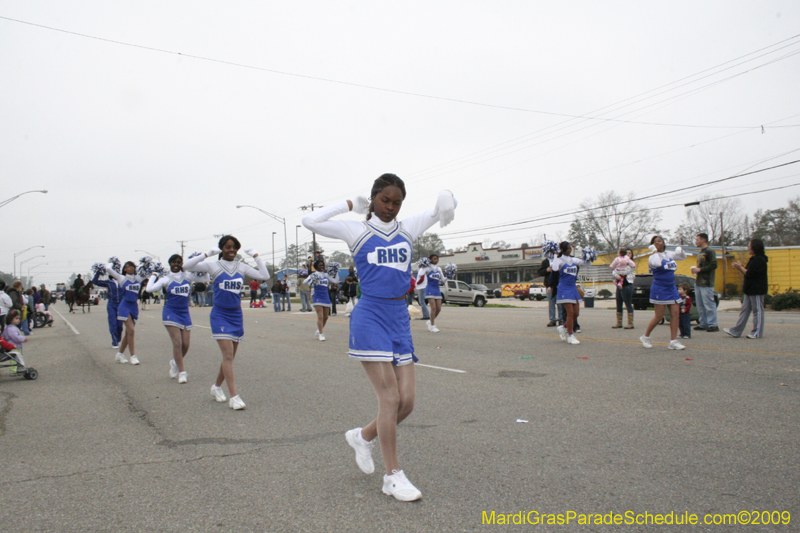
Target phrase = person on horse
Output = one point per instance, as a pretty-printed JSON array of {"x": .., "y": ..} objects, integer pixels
[{"x": 77, "y": 285}]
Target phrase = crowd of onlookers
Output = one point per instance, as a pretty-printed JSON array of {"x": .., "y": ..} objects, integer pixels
[{"x": 18, "y": 307}]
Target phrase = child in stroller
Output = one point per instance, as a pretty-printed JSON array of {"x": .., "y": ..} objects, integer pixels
[
  {"x": 43, "y": 317},
  {"x": 11, "y": 348}
]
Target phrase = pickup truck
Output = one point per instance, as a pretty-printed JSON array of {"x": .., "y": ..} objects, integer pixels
[
  {"x": 534, "y": 291},
  {"x": 458, "y": 292}
]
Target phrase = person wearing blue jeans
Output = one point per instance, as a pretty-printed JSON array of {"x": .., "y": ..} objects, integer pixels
[
  {"x": 422, "y": 284},
  {"x": 704, "y": 284},
  {"x": 287, "y": 301}
]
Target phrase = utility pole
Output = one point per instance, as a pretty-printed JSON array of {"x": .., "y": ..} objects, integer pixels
[
  {"x": 724, "y": 261},
  {"x": 182, "y": 243},
  {"x": 313, "y": 235}
]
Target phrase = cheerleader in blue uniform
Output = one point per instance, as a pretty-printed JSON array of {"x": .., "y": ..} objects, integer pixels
[
  {"x": 663, "y": 291},
  {"x": 433, "y": 292},
  {"x": 128, "y": 311},
  {"x": 227, "y": 324},
  {"x": 380, "y": 330},
  {"x": 567, "y": 293},
  {"x": 175, "y": 315},
  {"x": 114, "y": 296},
  {"x": 321, "y": 299}
]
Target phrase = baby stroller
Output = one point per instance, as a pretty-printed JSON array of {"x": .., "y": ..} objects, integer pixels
[{"x": 11, "y": 358}]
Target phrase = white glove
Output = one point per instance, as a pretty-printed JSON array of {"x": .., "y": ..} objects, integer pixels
[
  {"x": 250, "y": 251},
  {"x": 652, "y": 248},
  {"x": 445, "y": 208},
  {"x": 678, "y": 250},
  {"x": 360, "y": 205},
  {"x": 213, "y": 251}
]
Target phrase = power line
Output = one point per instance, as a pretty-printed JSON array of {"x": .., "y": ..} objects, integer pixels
[
  {"x": 549, "y": 217},
  {"x": 359, "y": 85}
]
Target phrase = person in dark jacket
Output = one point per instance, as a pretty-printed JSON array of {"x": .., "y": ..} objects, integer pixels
[
  {"x": 754, "y": 288},
  {"x": 543, "y": 271}
]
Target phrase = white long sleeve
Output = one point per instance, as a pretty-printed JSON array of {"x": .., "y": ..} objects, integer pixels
[{"x": 350, "y": 230}]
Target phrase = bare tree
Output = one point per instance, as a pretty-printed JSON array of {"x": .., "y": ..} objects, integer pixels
[
  {"x": 612, "y": 221},
  {"x": 705, "y": 218}
]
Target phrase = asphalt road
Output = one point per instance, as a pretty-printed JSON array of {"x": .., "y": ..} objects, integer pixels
[{"x": 508, "y": 420}]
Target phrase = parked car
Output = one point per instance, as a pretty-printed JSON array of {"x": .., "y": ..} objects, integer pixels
[
  {"x": 534, "y": 291},
  {"x": 458, "y": 292},
  {"x": 641, "y": 293},
  {"x": 491, "y": 293}
]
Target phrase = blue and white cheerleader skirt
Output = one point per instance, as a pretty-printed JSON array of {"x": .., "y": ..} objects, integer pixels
[
  {"x": 227, "y": 323},
  {"x": 176, "y": 316},
  {"x": 433, "y": 291},
  {"x": 127, "y": 309},
  {"x": 380, "y": 330},
  {"x": 321, "y": 296}
]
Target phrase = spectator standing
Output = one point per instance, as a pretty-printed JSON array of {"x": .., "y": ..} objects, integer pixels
[
  {"x": 253, "y": 292},
  {"x": 201, "y": 291},
  {"x": 704, "y": 286},
  {"x": 551, "y": 297},
  {"x": 287, "y": 293},
  {"x": 411, "y": 290},
  {"x": 305, "y": 291},
  {"x": 754, "y": 287},
  {"x": 6, "y": 305},
  {"x": 277, "y": 287},
  {"x": 264, "y": 290},
  {"x": 45, "y": 297},
  {"x": 624, "y": 269}
]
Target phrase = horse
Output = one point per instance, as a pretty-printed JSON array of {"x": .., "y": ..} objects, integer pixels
[{"x": 82, "y": 298}]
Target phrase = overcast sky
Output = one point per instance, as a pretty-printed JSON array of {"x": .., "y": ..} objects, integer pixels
[{"x": 149, "y": 121}]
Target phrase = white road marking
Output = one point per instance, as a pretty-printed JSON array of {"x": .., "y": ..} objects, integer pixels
[
  {"x": 67, "y": 321},
  {"x": 442, "y": 368}
]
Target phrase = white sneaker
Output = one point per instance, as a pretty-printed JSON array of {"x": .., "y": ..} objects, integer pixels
[
  {"x": 645, "y": 341},
  {"x": 751, "y": 336},
  {"x": 675, "y": 345},
  {"x": 572, "y": 340},
  {"x": 316, "y": 334},
  {"x": 562, "y": 332},
  {"x": 173, "y": 369},
  {"x": 115, "y": 346},
  {"x": 321, "y": 337},
  {"x": 236, "y": 403},
  {"x": 434, "y": 329},
  {"x": 134, "y": 360},
  {"x": 120, "y": 358},
  {"x": 728, "y": 331},
  {"x": 218, "y": 394},
  {"x": 428, "y": 323},
  {"x": 183, "y": 377},
  {"x": 363, "y": 450},
  {"x": 400, "y": 487}
]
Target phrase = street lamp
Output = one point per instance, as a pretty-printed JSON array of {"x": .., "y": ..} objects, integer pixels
[
  {"x": 23, "y": 262},
  {"x": 150, "y": 254},
  {"x": 6, "y": 202},
  {"x": 285, "y": 240},
  {"x": 20, "y": 253},
  {"x": 31, "y": 268}
]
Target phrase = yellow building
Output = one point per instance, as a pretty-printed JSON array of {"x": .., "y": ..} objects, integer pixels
[{"x": 783, "y": 266}]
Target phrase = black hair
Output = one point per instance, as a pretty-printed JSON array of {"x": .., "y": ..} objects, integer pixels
[
  {"x": 432, "y": 256},
  {"x": 653, "y": 240},
  {"x": 226, "y": 238},
  {"x": 174, "y": 256},
  {"x": 623, "y": 252},
  {"x": 125, "y": 266},
  {"x": 758, "y": 246},
  {"x": 563, "y": 247},
  {"x": 703, "y": 236},
  {"x": 381, "y": 183},
  {"x": 2, "y": 285},
  {"x": 319, "y": 262}
]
